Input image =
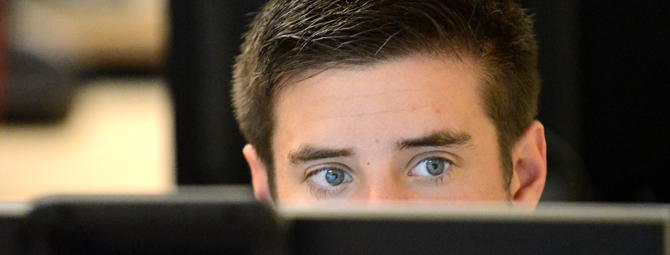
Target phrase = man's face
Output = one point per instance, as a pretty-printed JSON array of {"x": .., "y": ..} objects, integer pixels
[{"x": 407, "y": 129}]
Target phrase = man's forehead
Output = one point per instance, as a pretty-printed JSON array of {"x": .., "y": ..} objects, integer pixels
[
  {"x": 407, "y": 84},
  {"x": 344, "y": 108}
]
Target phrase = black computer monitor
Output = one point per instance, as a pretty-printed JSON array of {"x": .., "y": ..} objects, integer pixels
[
  {"x": 11, "y": 216},
  {"x": 226, "y": 222},
  {"x": 551, "y": 229}
]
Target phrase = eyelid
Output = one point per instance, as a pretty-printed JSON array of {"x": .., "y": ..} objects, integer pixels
[
  {"x": 428, "y": 155},
  {"x": 321, "y": 192},
  {"x": 311, "y": 171}
]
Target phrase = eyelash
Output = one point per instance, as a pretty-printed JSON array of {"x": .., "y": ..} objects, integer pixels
[
  {"x": 320, "y": 192},
  {"x": 434, "y": 180}
]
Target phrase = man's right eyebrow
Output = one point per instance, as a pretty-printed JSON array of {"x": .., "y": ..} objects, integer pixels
[{"x": 310, "y": 153}]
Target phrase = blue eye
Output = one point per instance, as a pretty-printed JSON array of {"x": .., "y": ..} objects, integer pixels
[
  {"x": 330, "y": 177},
  {"x": 431, "y": 167}
]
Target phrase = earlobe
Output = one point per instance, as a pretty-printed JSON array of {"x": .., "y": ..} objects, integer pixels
[
  {"x": 259, "y": 175},
  {"x": 529, "y": 158}
]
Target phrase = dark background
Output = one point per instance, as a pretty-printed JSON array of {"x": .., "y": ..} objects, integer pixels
[{"x": 604, "y": 66}]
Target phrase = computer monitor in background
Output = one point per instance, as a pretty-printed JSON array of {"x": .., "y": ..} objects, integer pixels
[{"x": 11, "y": 216}]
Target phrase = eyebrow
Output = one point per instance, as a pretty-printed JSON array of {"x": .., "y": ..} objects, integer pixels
[
  {"x": 437, "y": 139},
  {"x": 308, "y": 153},
  {"x": 311, "y": 153}
]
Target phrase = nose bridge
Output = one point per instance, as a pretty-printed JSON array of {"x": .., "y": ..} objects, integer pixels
[{"x": 384, "y": 186}]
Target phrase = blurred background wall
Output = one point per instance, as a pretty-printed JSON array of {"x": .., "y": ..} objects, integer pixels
[
  {"x": 133, "y": 96},
  {"x": 625, "y": 68},
  {"x": 86, "y": 109}
]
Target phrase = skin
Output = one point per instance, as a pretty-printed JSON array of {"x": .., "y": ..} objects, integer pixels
[{"x": 379, "y": 124}]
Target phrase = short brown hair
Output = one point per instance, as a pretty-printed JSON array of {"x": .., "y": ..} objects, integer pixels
[{"x": 289, "y": 37}]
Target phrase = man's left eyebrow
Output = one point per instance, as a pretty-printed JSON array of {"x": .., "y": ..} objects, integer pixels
[{"x": 436, "y": 139}]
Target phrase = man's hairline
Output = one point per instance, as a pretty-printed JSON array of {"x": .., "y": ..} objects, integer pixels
[{"x": 461, "y": 56}]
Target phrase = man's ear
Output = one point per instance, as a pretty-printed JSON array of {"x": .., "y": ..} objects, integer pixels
[
  {"x": 259, "y": 175},
  {"x": 529, "y": 159}
]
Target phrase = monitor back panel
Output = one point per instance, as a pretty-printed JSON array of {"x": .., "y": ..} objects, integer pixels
[
  {"x": 11, "y": 216},
  {"x": 482, "y": 233},
  {"x": 411, "y": 237}
]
